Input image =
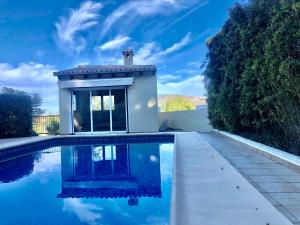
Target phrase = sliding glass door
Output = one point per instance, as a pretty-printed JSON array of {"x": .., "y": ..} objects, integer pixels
[
  {"x": 118, "y": 109},
  {"x": 81, "y": 111},
  {"x": 99, "y": 110}
]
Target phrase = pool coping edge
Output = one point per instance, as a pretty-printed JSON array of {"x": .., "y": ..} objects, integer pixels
[
  {"x": 287, "y": 159},
  {"x": 31, "y": 140}
]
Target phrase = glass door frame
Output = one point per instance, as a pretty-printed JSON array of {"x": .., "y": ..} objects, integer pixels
[{"x": 91, "y": 110}]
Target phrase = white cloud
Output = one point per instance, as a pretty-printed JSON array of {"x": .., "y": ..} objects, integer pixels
[
  {"x": 48, "y": 162},
  {"x": 188, "y": 71},
  {"x": 167, "y": 78},
  {"x": 151, "y": 53},
  {"x": 186, "y": 40},
  {"x": 131, "y": 12},
  {"x": 79, "y": 20},
  {"x": 193, "y": 86},
  {"x": 187, "y": 14},
  {"x": 26, "y": 72},
  {"x": 195, "y": 63},
  {"x": 116, "y": 43},
  {"x": 148, "y": 53},
  {"x": 32, "y": 77},
  {"x": 86, "y": 212}
]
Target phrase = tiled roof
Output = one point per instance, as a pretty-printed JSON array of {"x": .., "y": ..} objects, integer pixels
[
  {"x": 82, "y": 70},
  {"x": 109, "y": 192}
]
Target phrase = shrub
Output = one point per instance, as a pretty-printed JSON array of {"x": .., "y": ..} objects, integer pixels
[
  {"x": 15, "y": 114},
  {"x": 53, "y": 127}
]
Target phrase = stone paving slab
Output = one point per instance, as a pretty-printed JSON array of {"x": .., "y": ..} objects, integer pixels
[
  {"x": 287, "y": 199},
  {"x": 283, "y": 171},
  {"x": 266, "y": 179},
  {"x": 291, "y": 179},
  {"x": 206, "y": 189},
  {"x": 279, "y": 184},
  {"x": 255, "y": 172},
  {"x": 278, "y": 187}
]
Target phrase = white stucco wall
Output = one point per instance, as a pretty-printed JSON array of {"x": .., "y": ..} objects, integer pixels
[
  {"x": 192, "y": 120},
  {"x": 65, "y": 111},
  {"x": 142, "y": 104},
  {"x": 145, "y": 167}
]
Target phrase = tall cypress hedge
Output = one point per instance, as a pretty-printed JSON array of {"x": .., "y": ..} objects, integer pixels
[
  {"x": 15, "y": 114},
  {"x": 253, "y": 73}
]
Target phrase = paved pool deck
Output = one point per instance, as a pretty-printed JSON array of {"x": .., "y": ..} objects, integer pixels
[
  {"x": 208, "y": 190},
  {"x": 279, "y": 184}
]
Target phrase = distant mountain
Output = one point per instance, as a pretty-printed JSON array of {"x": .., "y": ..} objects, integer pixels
[{"x": 197, "y": 100}]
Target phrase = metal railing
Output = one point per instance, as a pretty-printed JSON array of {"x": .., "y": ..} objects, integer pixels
[{"x": 40, "y": 123}]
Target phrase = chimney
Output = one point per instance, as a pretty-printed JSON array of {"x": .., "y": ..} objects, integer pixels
[{"x": 128, "y": 57}]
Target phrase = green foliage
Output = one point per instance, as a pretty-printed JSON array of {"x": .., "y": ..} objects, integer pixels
[
  {"x": 254, "y": 72},
  {"x": 178, "y": 103},
  {"x": 53, "y": 127},
  {"x": 15, "y": 113},
  {"x": 37, "y": 101}
]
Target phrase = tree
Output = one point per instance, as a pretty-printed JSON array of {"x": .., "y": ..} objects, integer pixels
[
  {"x": 178, "y": 103},
  {"x": 15, "y": 113},
  {"x": 36, "y": 99},
  {"x": 37, "y": 102},
  {"x": 254, "y": 72}
]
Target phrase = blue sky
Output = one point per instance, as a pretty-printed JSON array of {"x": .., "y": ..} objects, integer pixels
[{"x": 38, "y": 38}]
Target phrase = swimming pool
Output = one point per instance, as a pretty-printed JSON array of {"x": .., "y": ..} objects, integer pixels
[{"x": 88, "y": 181}]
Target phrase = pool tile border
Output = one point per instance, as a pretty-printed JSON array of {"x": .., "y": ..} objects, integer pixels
[{"x": 22, "y": 147}]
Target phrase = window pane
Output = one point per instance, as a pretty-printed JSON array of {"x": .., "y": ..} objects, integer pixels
[
  {"x": 106, "y": 102},
  {"x": 112, "y": 102},
  {"x": 119, "y": 110},
  {"x": 101, "y": 113},
  {"x": 98, "y": 153},
  {"x": 110, "y": 152},
  {"x": 96, "y": 103}
]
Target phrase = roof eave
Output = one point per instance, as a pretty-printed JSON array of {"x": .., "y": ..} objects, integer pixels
[{"x": 61, "y": 73}]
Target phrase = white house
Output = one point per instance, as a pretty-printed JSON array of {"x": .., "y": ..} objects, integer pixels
[{"x": 109, "y": 98}]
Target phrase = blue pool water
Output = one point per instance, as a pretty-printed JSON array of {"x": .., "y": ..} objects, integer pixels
[{"x": 111, "y": 184}]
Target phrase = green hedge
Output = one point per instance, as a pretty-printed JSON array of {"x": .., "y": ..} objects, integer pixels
[
  {"x": 253, "y": 73},
  {"x": 15, "y": 114}
]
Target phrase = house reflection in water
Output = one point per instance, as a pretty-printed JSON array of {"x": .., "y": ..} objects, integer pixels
[{"x": 111, "y": 171}]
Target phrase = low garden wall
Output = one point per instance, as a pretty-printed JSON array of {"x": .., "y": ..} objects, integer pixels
[{"x": 192, "y": 120}]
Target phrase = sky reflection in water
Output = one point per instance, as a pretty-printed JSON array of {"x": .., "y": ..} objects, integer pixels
[{"x": 109, "y": 185}]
